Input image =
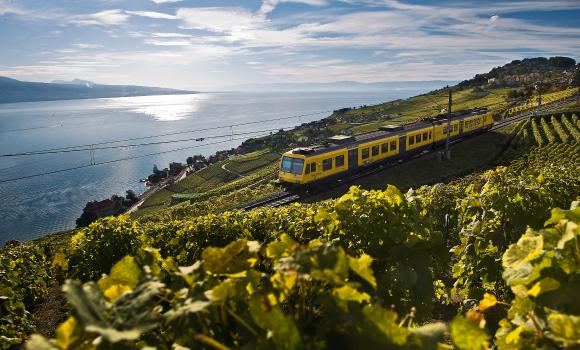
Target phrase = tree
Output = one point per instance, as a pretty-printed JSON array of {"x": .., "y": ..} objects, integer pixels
[
  {"x": 190, "y": 160},
  {"x": 576, "y": 79},
  {"x": 562, "y": 62},
  {"x": 131, "y": 197}
]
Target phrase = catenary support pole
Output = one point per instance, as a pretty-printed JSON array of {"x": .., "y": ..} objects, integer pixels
[{"x": 447, "y": 152}]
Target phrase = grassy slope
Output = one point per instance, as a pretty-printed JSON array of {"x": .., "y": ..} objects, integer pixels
[
  {"x": 210, "y": 178},
  {"x": 405, "y": 111}
]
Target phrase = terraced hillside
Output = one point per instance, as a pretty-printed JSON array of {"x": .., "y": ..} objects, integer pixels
[
  {"x": 372, "y": 267},
  {"x": 216, "y": 179},
  {"x": 548, "y": 129}
]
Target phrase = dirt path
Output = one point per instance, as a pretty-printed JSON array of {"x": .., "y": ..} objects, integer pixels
[
  {"x": 51, "y": 312},
  {"x": 231, "y": 171}
]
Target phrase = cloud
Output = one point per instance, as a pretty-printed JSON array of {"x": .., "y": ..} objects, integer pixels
[
  {"x": 88, "y": 46},
  {"x": 269, "y": 5},
  {"x": 152, "y": 14},
  {"x": 372, "y": 40},
  {"x": 6, "y": 8},
  {"x": 165, "y": 1},
  {"x": 171, "y": 35},
  {"x": 218, "y": 19},
  {"x": 103, "y": 18},
  {"x": 167, "y": 42}
]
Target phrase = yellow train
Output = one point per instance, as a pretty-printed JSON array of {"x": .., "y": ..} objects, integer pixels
[{"x": 342, "y": 155}]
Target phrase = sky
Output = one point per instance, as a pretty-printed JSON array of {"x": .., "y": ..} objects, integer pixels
[{"x": 217, "y": 44}]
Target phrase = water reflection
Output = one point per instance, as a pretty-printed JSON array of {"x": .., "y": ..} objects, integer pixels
[{"x": 163, "y": 108}]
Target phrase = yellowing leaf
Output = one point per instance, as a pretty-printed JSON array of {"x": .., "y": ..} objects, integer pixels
[
  {"x": 347, "y": 293},
  {"x": 385, "y": 321},
  {"x": 115, "y": 291},
  {"x": 487, "y": 302},
  {"x": 566, "y": 328},
  {"x": 279, "y": 249},
  {"x": 234, "y": 258},
  {"x": 362, "y": 266},
  {"x": 126, "y": 272},
  {"x": 221, "y": 292},
  {"x": 280, "y": 327},
  {"x": 60, "y": 260},
  {"x": 545, "y": 285},
  {"x": 466, "y": 335},
  {"x": 67, "y": 333},
  {"x": 526, "y": 249},
  {"x": 513, "y": 337}
]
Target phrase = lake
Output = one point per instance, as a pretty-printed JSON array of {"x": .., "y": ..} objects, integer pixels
[{"x": 38, "y": 205}]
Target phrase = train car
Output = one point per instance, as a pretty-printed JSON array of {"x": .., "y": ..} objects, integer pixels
[{"x": 344, "y": 155}]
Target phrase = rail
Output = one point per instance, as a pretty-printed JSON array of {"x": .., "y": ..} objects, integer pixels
[{"x": 286, "y": 197}]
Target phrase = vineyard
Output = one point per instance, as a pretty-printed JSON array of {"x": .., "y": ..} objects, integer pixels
[
  {"x": 215, "y": 181},
  {"x": 547, "y": 98},
  {"x": 490, "y": 256}
]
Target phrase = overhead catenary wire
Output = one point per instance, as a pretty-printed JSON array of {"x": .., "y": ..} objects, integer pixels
[
  {"x": 94, "y": 145},
  {"x": 115, "y": 161},
  {"x": 92, "y": 149}
]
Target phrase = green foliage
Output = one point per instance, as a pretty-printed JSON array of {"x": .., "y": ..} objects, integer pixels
[
  {"x": 241, "y": 295},
  {"x": 335, "y": 274},
  {"x": 467, "y": 335},
  {"x": 493, "y": 213},
  {"x": 93, "y": 251},
  {"x": 24, "y": 275},
  {"x": 391, "y": 227},
  {"x": 205, "y": 204},
  {"x": 543, "y": 271}
]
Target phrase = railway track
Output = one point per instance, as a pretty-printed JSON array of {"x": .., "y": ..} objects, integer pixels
[
  {"x": 286, "y": 197},
  {"x": 524, "y": 115},
  {"x": 275, "y": 200}
]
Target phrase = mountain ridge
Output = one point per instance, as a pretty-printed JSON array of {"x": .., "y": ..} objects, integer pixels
[
  {"x": 345, "y": 85},
  {"x": 14, "y": 91}
]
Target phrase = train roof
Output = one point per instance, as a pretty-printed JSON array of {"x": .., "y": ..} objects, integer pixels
[{"x": 345, "y": 141}]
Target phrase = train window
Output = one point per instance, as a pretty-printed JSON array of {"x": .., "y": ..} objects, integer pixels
[
  {"x": 445, "y": 129},
  {"x": 393, "y": 145},
  {"x": 297, "y": 166},
  {"x": 307, "y": 171},
  {"x": 375, "y": 151},
  {"x": 418, "y": 138},
  {"x": 365, "y": 153},
  {"x": 339, "y": 161},
  {"x": 430, "y": 135},
  {"x": 384, "y": 148},
  {"x": 292, "y": 165},
  {"x": 327, "y": 164},
  {"x": 424, "y": 136},
  {"x": 411, "y": 140},
  {"x": 456, "y": 127},
  {"x": 313, "y": 167},
  {"x": 286, "y": 164}
]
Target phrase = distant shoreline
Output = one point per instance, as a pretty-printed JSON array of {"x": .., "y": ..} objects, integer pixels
[{"x": 101, "y": 97}]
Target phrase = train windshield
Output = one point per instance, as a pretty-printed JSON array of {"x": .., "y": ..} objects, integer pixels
[{"x": 292, "y": 165}]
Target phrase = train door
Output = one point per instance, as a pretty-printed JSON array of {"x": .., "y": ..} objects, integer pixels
[
  {"x": 461, "y": 127},
  {"x": 402, "y": 145},
  {"x": 352, "y": 159}
]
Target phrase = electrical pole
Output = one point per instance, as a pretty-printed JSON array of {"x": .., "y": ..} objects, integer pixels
[
  {"x": 447, "y": 152},
  {"x": 539, "y": 90}
]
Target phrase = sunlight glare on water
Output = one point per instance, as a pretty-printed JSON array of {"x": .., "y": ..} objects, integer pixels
[{"x": 163, "y": 108}]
